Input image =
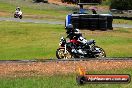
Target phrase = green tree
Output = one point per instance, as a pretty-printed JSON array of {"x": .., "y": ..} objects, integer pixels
[{"x": 121, "y": 4}]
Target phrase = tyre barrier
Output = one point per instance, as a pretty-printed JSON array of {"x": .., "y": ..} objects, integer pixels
[
  {"x": 44, "y": 1},
  {"x": 122, "y": 17}
]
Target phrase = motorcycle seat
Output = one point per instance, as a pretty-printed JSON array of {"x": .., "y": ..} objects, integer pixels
[{"x": 91, "y": 42}]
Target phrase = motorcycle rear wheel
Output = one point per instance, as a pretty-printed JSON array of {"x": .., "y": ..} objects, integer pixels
[
  {"x": 60, "y": 54},
  {"x": 102, "y": 53}
]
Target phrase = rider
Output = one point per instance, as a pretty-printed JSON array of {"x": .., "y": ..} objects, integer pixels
[
  {"x": 74, "y": 33},
  {"x": 18, "y": 10}
]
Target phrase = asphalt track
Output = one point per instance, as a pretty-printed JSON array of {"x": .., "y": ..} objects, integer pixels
[
  {"x": 67, "y": 60},
  {"x": 37, "y": 67},
  {"x": 53, "y": 22}
]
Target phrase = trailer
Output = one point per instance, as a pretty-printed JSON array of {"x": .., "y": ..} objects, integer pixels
[{"x": 94, "y": 21}]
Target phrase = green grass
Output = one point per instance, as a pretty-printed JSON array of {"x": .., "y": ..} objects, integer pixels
[
  {"x": 27, "y": 40},
  {"x": 116, "y": 43},
  {"x": 44, "y": 11},
  {"x": 61, "y": 81},
  {"x": 121, "y": 21},
  {"x": 30, "y": 40},
  {"x": 36, "y": 10}
]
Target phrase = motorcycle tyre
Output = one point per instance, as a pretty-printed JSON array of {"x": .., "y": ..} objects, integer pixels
[
  {"x": 102, "y": 51},
  {"x": 57, "y": 55},
  {"x": 15, "y": 16},
  {"x": 20, "y": 16}
]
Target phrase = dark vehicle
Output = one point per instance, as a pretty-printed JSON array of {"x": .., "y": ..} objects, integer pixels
[
  {"x": 87, "y": 51},
  {"x": 89, "y": 2},
  {"x": 44, "y": 1},
  {"x": 82, "y": 1}
]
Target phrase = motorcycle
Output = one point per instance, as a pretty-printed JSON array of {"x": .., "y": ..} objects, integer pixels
[
  {"x": 18, "y": 14},
  {"x": 74, "y": 49}
]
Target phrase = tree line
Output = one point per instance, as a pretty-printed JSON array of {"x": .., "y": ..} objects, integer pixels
[
  {"x": 121, "y": 4},
  {"x": 114, "y": 4}
]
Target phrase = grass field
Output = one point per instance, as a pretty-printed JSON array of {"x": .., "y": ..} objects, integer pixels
[
  {"x": 30, "y": 40},
  {"x": 44, "y": 11},
  {"x": 40, "y": 41},
  {"x": 60, "y": 81},
  {"x": 27, "y": 40},
  {"x": 35, "y": 10},
  {"x": 121, "y": 21}
]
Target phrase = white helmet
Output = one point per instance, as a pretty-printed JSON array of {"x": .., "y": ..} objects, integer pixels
[
  {"x": 70, "y": 26},
  {"x": 18, "y": 8}
]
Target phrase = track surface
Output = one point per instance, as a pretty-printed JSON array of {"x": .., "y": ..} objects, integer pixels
[
  {"x": 52, "y": 22},
  {"x": 66, "y": 60},
  {"x": 20, "y": 68}
]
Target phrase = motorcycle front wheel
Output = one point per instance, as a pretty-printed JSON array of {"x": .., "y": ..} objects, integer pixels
[
  {"x": 61, "y": 54},
  {"x": 101, "y": 53},
  {"x": 15, "y": 16},
  {"x": 20, "y": 16}
]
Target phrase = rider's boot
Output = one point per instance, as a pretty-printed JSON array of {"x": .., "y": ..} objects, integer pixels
[{"x": 74, "y": 51}]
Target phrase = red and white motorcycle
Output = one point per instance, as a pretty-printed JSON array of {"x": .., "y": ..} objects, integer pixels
[{"x": 74, "y": 49}]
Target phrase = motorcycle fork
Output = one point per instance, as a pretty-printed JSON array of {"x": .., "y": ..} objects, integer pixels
[{"x": 65, "y": 49}]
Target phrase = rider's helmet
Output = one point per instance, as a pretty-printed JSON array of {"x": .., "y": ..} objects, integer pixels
[
  {"x": 69, "y": 28},
  {"x": 18, "y": 8}
]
